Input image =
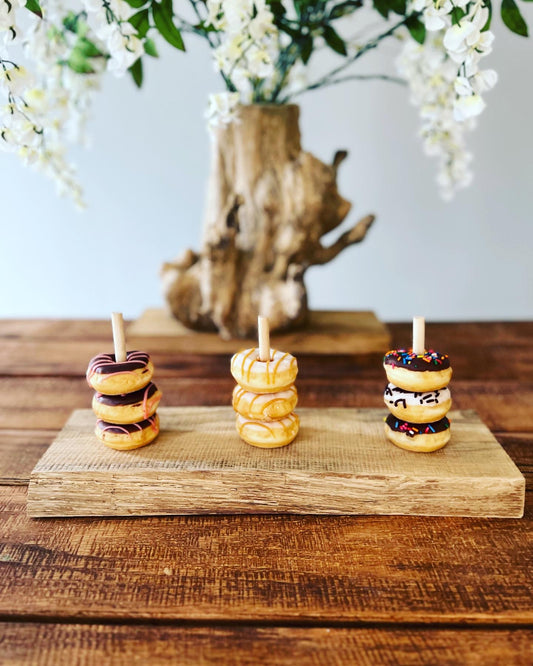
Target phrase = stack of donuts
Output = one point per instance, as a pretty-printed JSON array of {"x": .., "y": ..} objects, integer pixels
[
  {"x": 125, "y": 401},
  {"x": 418, "y": 398},
  {"x": 265, "y": 397}
]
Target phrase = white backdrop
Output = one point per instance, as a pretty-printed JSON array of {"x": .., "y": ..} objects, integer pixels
[{"x": 145, "y": 177}]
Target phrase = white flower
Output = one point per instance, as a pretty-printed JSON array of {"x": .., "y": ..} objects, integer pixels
[
  {"x": 222, "y": 108},
  {"x": 467, "y": 107}
]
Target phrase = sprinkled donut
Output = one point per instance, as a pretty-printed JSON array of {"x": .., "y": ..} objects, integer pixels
[
  {"x": 417, "y": 406},
  {"x": 128, "y": 407},
  {"x": 127, "y": 436},
  {"x": 107, "y": 376},
  {"x": 264, "y": 376},
  {"x": 264, "y": 406},
  {"x": 268, "y": 434},
  {"x": 423, "y": 437},
  {"x": 429, "y": 371}
]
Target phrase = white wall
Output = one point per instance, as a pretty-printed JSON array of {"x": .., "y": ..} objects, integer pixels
[{"x": 145, "y": 178}]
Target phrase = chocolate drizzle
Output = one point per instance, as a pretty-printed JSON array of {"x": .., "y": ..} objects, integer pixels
[
  {"x": 127, "y": 428},
  {"x": 125, "y": 399},
  {"x": 396, "y": 396},
  {"x": 429, "y": 361},
  {"x": 105, "y": 364},
  {"x": 413, "y": 429}
]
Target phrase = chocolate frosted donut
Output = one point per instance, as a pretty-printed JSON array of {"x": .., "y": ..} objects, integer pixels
[
  {"x": 417, "y": 372},
  {"x": 423, "y": 437},
  {"x": 107, "y": 376},
  {"x": 129, "y": 407},
  {"x": 127, "y": 436}
]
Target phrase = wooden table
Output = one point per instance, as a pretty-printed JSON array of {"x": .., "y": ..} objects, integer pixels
[{"x": 261, "y": 589}]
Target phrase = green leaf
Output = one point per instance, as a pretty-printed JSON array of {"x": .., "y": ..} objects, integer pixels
[
  {"x": 488, "y": 5},
  {"x": 141, "y": 22},
  {"x": 150, "y": 48},
  {"x": 79, "y": 63},
  {"x": 35, "y": 7},
  {"x": 398, "y": 6},
  {"x": 344, "y": 9},
  {"x": 136, "y": 71},
  {"x": 71, "y": 22},
  {"x": 306, "y": 48},
  {"x": 87, "y": 48},
  {"x": 334, "y": 40},
  {"x": 382, "y": 6},
  {"x": 512, "y": 18},
  {"x": 276, "y": 7},
  {"x": 457, "y": 14},
  {"x": 416, "y": 28},
  {"x": 136, "y": 4},
  {"x": 162, "y": 13}
]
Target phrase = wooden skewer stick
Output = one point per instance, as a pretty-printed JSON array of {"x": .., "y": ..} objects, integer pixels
[
  {"x": 119, "y": 339},
  {"x": 264, "y": 338},
  {"x": 419, "y": 324}
]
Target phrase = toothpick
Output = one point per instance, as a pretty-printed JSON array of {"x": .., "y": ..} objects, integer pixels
[
  {"x": 119, "y": 339},
  {"x": 264, "y": 338},
  {"x": 419, "y": 335}
]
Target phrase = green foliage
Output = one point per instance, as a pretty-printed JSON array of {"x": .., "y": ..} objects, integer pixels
[
  {"x": 34, "y": 7},
  {"x": 136, "y": 71},
  {"x": 512, "y": 18},
  {"x": 416, "y": 28},
  {"x": 150, "y": 48},
  {"x": 141, "y": 22},
  {"x": 163, "y": 14}
]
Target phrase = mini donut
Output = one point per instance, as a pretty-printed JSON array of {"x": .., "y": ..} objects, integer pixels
[
  {"x": 417, "y": 372},
  {"x": 268, "y": 434},
  {"x": 127, "y": 436},
  {"x": 423, "y": 437},
  {"x": 107, "y": 376},
  {"x": 416, "y": 406},
  {"x": 264, "y": 376},
  {"x": 264, "y": 406},
  {"x": 128, "y": 407}
]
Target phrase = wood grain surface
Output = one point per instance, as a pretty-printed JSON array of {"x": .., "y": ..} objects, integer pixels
[
  {"x": 68, "y": 644},
  {"x": 340, "y": 332},
  {"x": 391, "y": 590},
  {"x": 340, "y": 463}
]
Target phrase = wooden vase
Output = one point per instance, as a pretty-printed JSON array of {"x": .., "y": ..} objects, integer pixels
[{"x": 269, "y": 203}]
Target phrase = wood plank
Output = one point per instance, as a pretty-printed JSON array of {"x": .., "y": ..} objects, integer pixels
[
  {"x": 55, "y": 328},
  {"x": 339, "y": 332},
  {"x": 19, "y": 453},
  {"x": 266, "y": 568},
  {"x": 55, "y": 357},
  {"x": 46, "y": 402},
  {"x": 340, "y": 463},
  {"x": 67, "y": 644}
]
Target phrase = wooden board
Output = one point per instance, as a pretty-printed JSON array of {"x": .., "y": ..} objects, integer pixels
[
  {"x": 328, "y": 332},
  {"x": 339, "y": 464}
]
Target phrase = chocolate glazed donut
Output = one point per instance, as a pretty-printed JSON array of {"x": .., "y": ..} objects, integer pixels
[
  {"x": 129, "y": 407},
  {"x": 107, "y": 376},
  {"x": 125, "y": 436}
]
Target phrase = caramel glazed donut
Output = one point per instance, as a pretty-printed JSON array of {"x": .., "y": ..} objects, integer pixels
[
  {"x": 268, "y": 434},
  {"x": 264, "y": 376},
  {"x": 418, "y": 406},
  {"x": 129, "y": 407},
  {"x": 429, "y": 371},
  {"x": 107, "y": 376},
  {"x": 423, "y": 437},
  {"x": 127, "y": 436},
  {"x": 264, "y": 406}
]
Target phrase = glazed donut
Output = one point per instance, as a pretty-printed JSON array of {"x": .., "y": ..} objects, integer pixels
[
  {"x": 417, "y": 372},
  {"x": 423, "y": 437},
  {"x": 127, "y": 436},
  {"x": 107, "y": 376},
  {"x": 418, "y": 407},
  {"x": 128, "y": 407},
  {"x": 264, "y": 406},
  {"x": 268, "y": 434},
  {"x": 264, "y": 376}
]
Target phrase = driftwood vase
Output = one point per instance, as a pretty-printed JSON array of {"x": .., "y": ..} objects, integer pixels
[{"x": 269, "y": 203}]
